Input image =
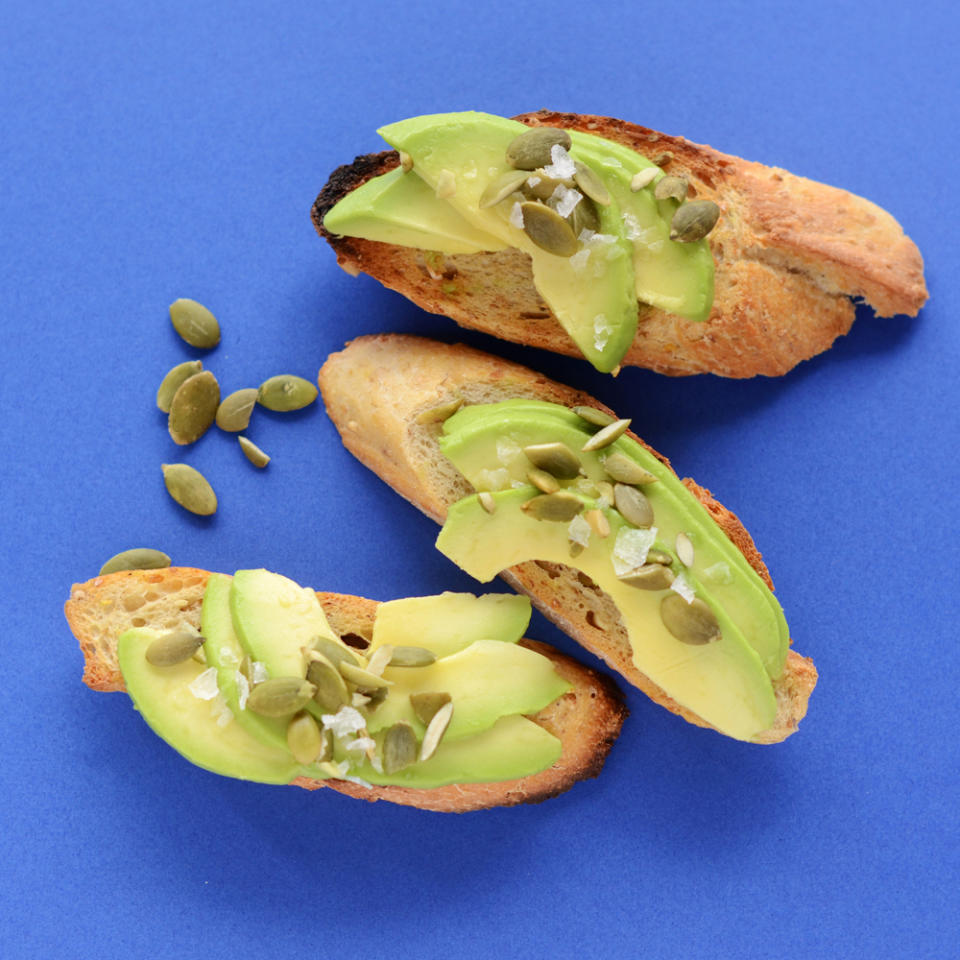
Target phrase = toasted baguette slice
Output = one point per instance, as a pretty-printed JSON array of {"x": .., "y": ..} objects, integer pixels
[
  {"x": 789, "y": 254},
  {"x": 586, "y": 720},
  {"x": 374, "y": 391}
]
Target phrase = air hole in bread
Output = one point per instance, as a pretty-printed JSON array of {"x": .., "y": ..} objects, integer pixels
[
  {"x": 151, "y": 595},
  {"x": 355, "y": 640},
  {"x": 171, "y": 586},
  {"x": 549, "y": 569},
  {"x": 138, "y": 622},
  {"x": 593, "y": 621},
  {"x": 586, "y": 581},
  {"x": 133, "y": 602}
]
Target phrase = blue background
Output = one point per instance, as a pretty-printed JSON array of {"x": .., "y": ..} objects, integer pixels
[{"x": 158, "y": 150}]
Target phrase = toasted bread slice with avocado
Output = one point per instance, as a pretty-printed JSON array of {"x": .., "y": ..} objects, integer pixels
[
  {"x": 379, "y": 392},
  {"x": 586, "y": 720},
  {"x": 791, "y": 255}
]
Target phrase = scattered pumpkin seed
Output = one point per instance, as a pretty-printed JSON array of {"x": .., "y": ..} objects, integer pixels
[
  {"x": 671, "y": 187},
  {"x": 330, "y": 690},
  {"x": 548, "y": 230},
  {"x": 651, "y": 576},
  {"x": 246, "y": 668},
  {"x": 173, "y": 648},
  {"x": 598, "y": 523},
  {"x": 560, "y": 506},
  {"x": 195, "y": 323},
  {"x": 193, "y": 408},
  {"x": 693, "y": 221},
  {"x": 363, "y": 679},
  {"x": 406, "y": 656},
  {"x": 137, "y": 558},
  {"x": 541, "y": 187},
  {"x": 189, "y": 487},
  {"x": 634, "y": 507},
  {"x": 334, "y": 652},
  {"x": 435, "y": 731},
  {"x": 171, "y": 382},
  {"x": 594, "y": 416},
  {"x": 555, "y": 458},
  {"x": 502, "y": 187},
  {"x": 280, "y": 696},
  {"x": 252, "y": 452},
  {"x": 379, "y": 659},
  {"x": 584, "y": 217},
  {"x": 684, "y": 546},
  {"x": 543, "y": 481},
  {"x": 304, "y": 738},
  {"x": 426, "y": 705},
  {"x": 659, "y": 556},
  {"x": 531, "y": 149},
  {"x": 234, "y": 411},
  {"x": 286, "y": 392},
  {"x": 440, "y": 412},
  {"x": 604, "y": 437},
  {"x": 575, "y": 548},
  {"x": 625, "y": 470},
  {"x": 591, "y": 184},
  {"x": 692, "y": 623},
  {"x": 487, "y": 501},
  {"x": 399, "y": 747},
  {"x": 643, "y": 178}
]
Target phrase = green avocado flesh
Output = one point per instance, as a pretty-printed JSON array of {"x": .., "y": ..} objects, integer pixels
[
  {"x": 490, "y": 679},
  {"x": 594, "y": 293},
  {"x": 726, "y": 682}
]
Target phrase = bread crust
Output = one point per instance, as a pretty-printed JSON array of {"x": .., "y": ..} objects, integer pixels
[
  {"x": 375, "y": 390},
  {"x": 789, "y": 254},
  {"x": 586, "y": 720}
]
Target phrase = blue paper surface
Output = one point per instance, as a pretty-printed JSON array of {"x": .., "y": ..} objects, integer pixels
[{"x": 153, "y": 151}]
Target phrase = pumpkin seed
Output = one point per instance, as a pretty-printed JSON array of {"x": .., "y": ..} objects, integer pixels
[
  {"x": 594, "y": 416},
  {"x": 541, "y": 187},
  {"x": 548, "y": 230},
  {"x": 171, "y": 382},
  {"x": 643, "y": 178},
  {"x": 487, "y": 501},
  {"x": 173, "y": 648},
  {"x": 195, "y": 323},
  {"x": 405, "y": 656},
  {"x": 651, "y": 576},
  {"x": 304, "y": 738},
  {"x": 634, "y": 507},
  {"x": 693, "y": 221},
  {"x": 624, "y": 470},
  {"x": 598, "y": 523},
  {"x": 286, "y": 392},
  {"x": 692, "y": 623},
  {"x": 591, "y": 184},
  {"x": 426, "y": 705},
  {"x": 502, "y": 187},
  {"x": 531, "y": 149},
  {"x": 659, "y": 556},
  {"x": 406, "y": 162},
  {"x": 189, "y": 487},
  {"x": 246, "y": 668},
  {"x": 555, "y": 458},
  {"x": 252, "y": 452},
  {"x": 684, "y": 546},
  {"x": 543, "y": 481},
  {"x": 363, "y": 679},
  {"x": 234, "y": 411},
  {"x": 675, "y": 187},
  {"x": 560, "y": 506},
  {"x": 575, "y": 548},
  {"x": 334, "y": 652},
  {"x": 606, "y": 436},
  {"x": 138, "y": 558},
  {"x": 379, "y": 659},
  {"x": 584, "y": 217},
  {"x": 193, "y": 408},
  {"x": 440, "y": 412},
  {"x": 280, "y": 696},
  {"x": 330, "y": 690},
  {"x": 435, "y": 731},
  {"x": 399, "y": 748}
]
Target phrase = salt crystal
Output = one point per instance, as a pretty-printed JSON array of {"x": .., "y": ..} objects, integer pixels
[
  {"x": 258, "y": 671},
  {"x": 243, "y": 690},
  {"x": 603, "y": 238},
  {"x": 361, "y": 743},
  {"x": 516, "y": 216},
  {"x": 579, "y": 260},
  {"x": 493, "y": 479},
  {"x": 344, "y": 722},
  {"x": 682, "y": 586},
  {"x": 533, "y": 181},
  {"x": 228, "y": 656},
  {"x": 579, "y": 531},
  {"x": 631, "y": 547},
  {"x": 220, "y": 710},
  {"x": 377, "y": 764},
  {"x": 719, "y": 573},
  {"x": 565, "y": 199},
  {"x": 204, "y": 685},
  {"x": 601, "y": 331},
  {"x": 632, "y": 225},
  {"x": 562, "y": 167},
  {"x": 508, "y": 450},
  {"x": 586, "y": 235}
]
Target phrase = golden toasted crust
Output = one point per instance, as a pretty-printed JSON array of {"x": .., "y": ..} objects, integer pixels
[
  {"x": 789, "y": 255},
  {"x": 586, "y": 720},
  {"x": 376, "y": 389}
]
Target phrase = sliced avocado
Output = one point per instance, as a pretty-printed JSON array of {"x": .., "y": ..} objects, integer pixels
[
  {"x": 450, "y": 622},
  {"x": 189, "y": 724},
  {"x": 723, "y": 681},
  {"x": 486, "y": 441},
  {"x": 486, "y": 681},
  {"x": 400, "y": 208},
  {"x": 512, "y": 748}
]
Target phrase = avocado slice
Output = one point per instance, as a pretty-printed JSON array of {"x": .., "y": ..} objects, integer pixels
[
  {"x": 450, "y": 622},
  {"x": 189, "y": 724}
]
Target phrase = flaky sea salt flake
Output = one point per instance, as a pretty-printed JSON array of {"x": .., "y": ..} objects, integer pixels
[
  {"x": 204, "y": 685},
  {"x": 562, "y": 167},
  {"x": 631, "y": 547},
  {"x": 682, "y": 586}
]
